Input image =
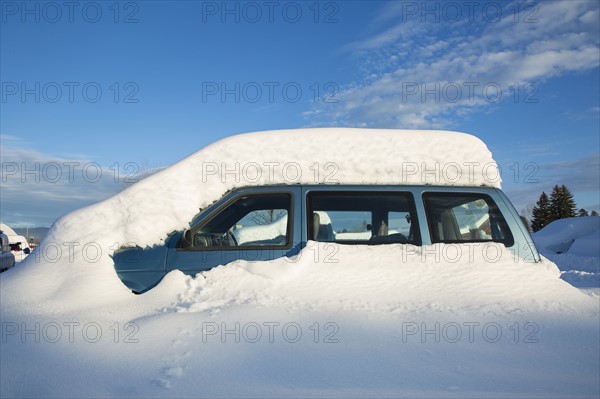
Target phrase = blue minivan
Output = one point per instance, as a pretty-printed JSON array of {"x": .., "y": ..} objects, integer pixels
[{"x": 269, "y": 222}]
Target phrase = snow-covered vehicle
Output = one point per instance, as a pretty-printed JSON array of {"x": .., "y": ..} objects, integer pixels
[
  {"x": 388, "y": 194},
  {"x": 18, "y": 244},
  {"x": 7, "y": 259}
]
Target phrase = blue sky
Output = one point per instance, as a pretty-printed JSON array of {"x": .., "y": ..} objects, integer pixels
[{"x": 95, "y": 91}]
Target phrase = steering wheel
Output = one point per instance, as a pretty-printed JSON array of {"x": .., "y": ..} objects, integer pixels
[{"x": 231, "y": 241}]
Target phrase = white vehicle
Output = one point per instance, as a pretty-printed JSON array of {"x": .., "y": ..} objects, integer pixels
[
  {"x": 7, "y": 259},
  {"x": 19, "y": 246}
]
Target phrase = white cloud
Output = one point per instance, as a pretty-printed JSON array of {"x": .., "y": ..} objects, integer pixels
[
  {"x": 536, "y": 44},
  {"x": 384, "y": 38},
  {"x": 37, "y": 188},
  {"x": 590, "y": 17}
]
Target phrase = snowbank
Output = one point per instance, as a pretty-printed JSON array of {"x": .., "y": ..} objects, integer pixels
[
  {"x": 329, "y": 277},
  {"x": 574, "y": 245},
  {"x": 560, "y": 236},
  {"x": 587, "y": 245},
  {"x": 393, "y": 278}
]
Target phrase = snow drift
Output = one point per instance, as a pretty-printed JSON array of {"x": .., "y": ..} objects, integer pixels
[
  {"x": 573, "y": 235},
  {"x": 394, "y": 278},
  {"x": 574, "y": 245}
]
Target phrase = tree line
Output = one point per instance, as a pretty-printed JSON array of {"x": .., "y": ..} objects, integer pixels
[{"x": 559, "y": 205}]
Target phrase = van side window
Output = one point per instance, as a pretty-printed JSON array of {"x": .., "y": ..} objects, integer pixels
[
  {"x": 362, "y": 217},
  {"x": 465, "y": 217},
  {"x": 251, "y": 220}
]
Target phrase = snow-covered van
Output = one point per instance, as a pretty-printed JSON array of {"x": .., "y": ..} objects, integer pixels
[{"x": 266, "y": 195}]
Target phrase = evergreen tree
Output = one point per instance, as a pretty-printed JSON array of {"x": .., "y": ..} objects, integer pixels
[
  {"x": 570, "y": 206},
  {"x": 594, "y": 213},
  {"x": 541, "y": 213},
  {"x": 267, "y": 216},
  {"x": 582, "y": 212},
  {"x": 562, "y": 204}
]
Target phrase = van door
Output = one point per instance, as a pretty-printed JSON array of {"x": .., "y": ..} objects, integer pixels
[{"x": 258, "y": 225}]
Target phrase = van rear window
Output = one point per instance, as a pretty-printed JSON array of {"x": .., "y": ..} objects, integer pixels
[{"x": 465, "y": 217}]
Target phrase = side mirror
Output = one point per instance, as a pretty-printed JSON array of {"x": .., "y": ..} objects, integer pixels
[{"x": 186, "y": 239}]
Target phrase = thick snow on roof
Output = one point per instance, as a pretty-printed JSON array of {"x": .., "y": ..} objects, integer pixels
[
  {"x": 7, "y": 230},
  {"x": 168, "y": 200}
]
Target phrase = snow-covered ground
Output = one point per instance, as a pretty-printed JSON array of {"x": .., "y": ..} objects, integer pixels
[
  {"x": 574, "y": 245},
  {"x": 342, "y": 321},
  {"x": 334, "y": 321}
]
